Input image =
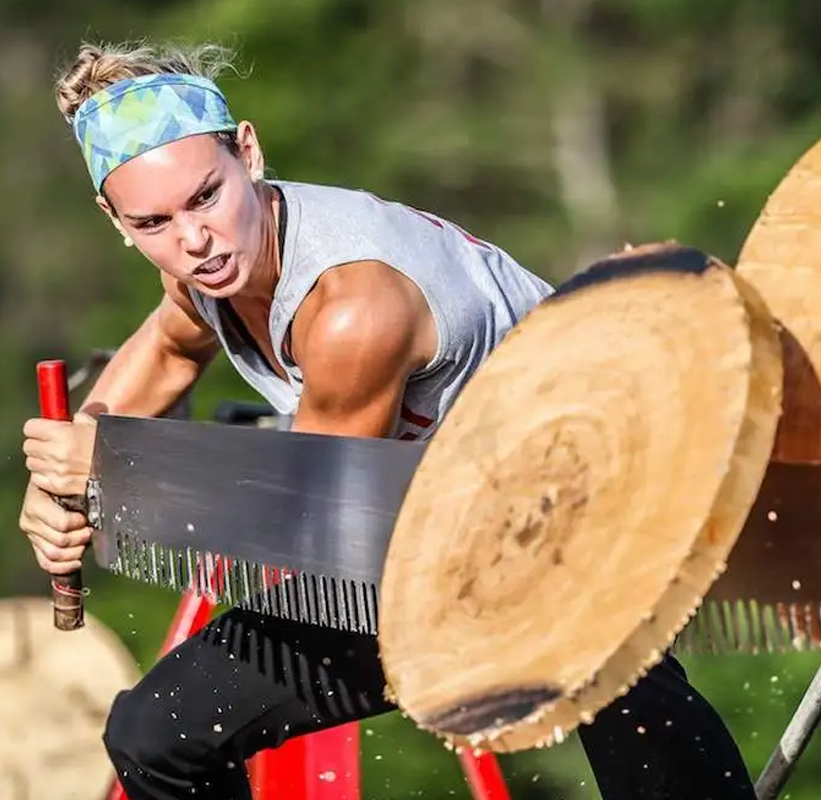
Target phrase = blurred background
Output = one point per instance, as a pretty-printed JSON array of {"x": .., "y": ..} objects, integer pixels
[{"x": 559, "y": 129}]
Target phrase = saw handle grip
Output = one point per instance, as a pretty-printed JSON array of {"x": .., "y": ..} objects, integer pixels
[{"x": 66, "y": 590}]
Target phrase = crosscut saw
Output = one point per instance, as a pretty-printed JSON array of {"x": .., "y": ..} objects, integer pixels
[
  {"x": 299, "y": 525},
  {"x": 581, "y": 488},
  {"x": 573, "y": 488}
]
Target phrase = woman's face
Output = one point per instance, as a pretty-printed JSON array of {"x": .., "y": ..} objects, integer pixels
[{"x": 192, "y": 208}]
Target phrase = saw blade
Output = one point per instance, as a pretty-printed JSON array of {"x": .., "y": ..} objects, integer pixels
[
  {"x": 292, "y": 524},
  {"x": 297, "y": 526}
]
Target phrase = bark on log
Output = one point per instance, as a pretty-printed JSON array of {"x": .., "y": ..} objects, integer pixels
[{"x": 579, "y": 499}]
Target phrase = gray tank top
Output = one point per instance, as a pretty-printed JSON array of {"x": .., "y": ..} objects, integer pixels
[{"x": 475, "y": 291}]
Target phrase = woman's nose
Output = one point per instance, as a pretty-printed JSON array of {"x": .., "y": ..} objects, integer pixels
[{"x": 194, "y": 235}]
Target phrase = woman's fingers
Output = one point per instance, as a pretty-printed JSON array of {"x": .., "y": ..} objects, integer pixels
[
  {"x": 60, "y": 485},
  {"x": 58, "y": 454},
  {"x": 60, "y": 562}
]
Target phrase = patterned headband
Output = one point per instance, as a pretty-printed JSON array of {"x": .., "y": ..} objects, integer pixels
[{"x": 138, "y": 114}]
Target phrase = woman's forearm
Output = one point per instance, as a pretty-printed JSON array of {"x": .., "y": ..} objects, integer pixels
[{"x": 147, "y": 375}]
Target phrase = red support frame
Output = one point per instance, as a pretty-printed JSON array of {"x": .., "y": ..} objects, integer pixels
[
  {"x": 484, "y": 776},
  {"x": 320, "y": 766}
]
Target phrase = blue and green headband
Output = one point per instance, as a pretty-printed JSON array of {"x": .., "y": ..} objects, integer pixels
[{"x": 138, "y": 114}]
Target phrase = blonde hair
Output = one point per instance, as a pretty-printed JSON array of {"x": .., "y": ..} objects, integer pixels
[{"x": 99, "y": 65}]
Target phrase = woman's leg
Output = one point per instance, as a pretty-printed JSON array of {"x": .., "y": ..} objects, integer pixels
[
  {"x": 244, "y": 683},
  {"x": 664, "y": 741}
]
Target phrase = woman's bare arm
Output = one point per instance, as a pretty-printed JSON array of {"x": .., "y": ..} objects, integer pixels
[{"x": 158, "y": 363}]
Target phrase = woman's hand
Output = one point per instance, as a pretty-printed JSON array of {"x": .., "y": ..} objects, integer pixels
[
  {"x": 58, "y": 454},
  {"x": 59, "y": 537}
]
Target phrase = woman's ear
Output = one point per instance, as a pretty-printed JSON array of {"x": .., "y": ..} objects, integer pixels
[
  {"x": 111, "y": 214},
  {"x": 250, "y": 150}
]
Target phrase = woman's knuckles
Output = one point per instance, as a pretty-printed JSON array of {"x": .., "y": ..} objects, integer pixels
[
  {"x": 35, "y": 465},
  {"x": 60, "y": 540},
  {"x": 60, "y": 555},
  {"x": 63, "y": 520},
  {"x": 57, "y": 567},
  {"x": 50, "y": 552},
  {"x": 73, "y": 539},
  {"x": 51, "y": 482}
]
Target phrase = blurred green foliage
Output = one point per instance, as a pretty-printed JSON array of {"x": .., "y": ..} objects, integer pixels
[{"x": 560, "y": 130}]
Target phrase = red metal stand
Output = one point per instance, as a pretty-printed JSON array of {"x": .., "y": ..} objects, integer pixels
[
  {"x": 322, "y": 766},
  {"x": 484, "y": 776}
]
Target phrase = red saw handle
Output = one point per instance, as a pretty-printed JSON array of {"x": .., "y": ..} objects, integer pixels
[{"x": 66, "y": 590}]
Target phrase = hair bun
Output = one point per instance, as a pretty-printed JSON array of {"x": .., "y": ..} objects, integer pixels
[
  {"x": 99, "y": 65},
  {"x": 81, "y": 80}
]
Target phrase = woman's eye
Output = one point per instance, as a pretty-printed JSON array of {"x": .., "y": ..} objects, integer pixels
[
  {"x": 148, "y": 224},
  {"x": 207, "y": 195}
]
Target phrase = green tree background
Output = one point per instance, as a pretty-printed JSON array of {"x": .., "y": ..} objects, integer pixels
[{"x": 560, "y": 130}]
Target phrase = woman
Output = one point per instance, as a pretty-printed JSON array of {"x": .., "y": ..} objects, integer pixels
[{"x": 359, "y": 317}]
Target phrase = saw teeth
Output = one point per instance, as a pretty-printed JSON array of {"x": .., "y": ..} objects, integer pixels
[
  {"x": 751, "y": 627},
  {"x": 264, "y": 588}
]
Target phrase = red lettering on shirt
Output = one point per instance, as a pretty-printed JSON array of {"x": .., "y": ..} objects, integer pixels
[{"x": 415, "y": 419}]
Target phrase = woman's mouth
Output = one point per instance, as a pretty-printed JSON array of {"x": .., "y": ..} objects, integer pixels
[{"x": 217, "y": 270}]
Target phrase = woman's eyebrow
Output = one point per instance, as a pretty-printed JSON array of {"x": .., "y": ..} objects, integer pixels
[{"x": 200, "y": 188}]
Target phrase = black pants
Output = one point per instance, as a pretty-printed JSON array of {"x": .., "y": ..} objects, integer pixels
[{"x": 248, "y": 682}]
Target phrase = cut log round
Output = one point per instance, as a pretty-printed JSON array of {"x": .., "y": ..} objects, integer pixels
[
  {"x": 579, "y": 499},
  {"x": 780, "y": 259},
  {"x": 55, "y": 692},
  {"x": 769, "y": 597}
]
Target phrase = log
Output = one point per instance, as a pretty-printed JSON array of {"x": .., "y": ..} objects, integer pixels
[
  {"x": 55, "y": 694},
  {"x": 780, "y": 258},
  {"x": 770, "y": 595},
  {"x": 579, "y": 499},
  {"x": 774, "y": 567}
]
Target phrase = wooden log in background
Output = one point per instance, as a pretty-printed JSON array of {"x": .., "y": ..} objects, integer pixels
[
  {"x": 55, "y": 693},
  {"x": 579, "y": 499}
]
